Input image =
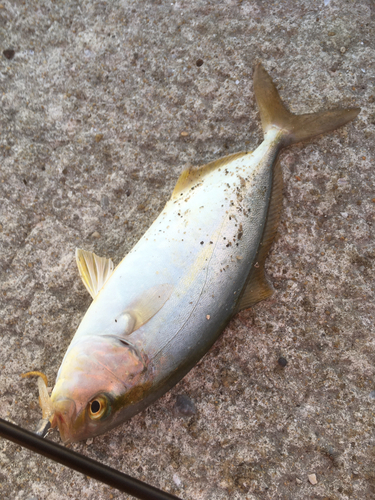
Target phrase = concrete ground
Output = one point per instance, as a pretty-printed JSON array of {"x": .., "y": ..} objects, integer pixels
[{"x": 103, "y": 104}]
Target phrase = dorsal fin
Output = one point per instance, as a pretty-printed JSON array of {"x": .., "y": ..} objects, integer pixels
[
  {"x": 193, "y": 174},
  {"x": 93, "y": 270},
  {"x": 257, "y": 287}
]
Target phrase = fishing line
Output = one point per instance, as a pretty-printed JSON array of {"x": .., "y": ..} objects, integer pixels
[{"x": 82, "y": 464}]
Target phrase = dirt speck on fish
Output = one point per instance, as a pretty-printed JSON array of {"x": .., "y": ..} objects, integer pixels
[{"x": 202, "y": 259}]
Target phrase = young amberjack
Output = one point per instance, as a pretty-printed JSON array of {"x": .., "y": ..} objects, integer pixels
[{"x": 201, "y": 261}]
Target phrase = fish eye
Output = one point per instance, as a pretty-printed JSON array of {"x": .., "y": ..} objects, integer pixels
[{"x": 97, "y": 407}]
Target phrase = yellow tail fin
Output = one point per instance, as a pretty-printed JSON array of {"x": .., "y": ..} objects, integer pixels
[{"x": 297, "y": 127}]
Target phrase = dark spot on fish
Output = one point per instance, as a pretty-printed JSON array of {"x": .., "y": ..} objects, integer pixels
[
  {"x": 211, "y": 242},
  {"x": 184, "y": 406},
  {"x": 199, "y": 62},
  {"x": 24, "y": 181},
  {"x": 9, "y": 53},
  {"x": 240, "y": 232},
  {"x": 202, "y": 242},
  {"x": 115, "y": 320},
  {"x": 282, "y": 362},
  {"x": 135, "y": 394}
]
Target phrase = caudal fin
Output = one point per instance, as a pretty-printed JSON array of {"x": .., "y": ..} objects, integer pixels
[{"x": 297, "y": 128}]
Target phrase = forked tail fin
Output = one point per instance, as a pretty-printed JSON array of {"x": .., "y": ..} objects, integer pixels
[{"x": 297, "y": 127}]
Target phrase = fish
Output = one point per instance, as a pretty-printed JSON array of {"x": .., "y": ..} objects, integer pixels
[{"x": 156, "y": 314}]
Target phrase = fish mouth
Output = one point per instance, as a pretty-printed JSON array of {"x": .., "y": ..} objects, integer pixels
[{"x": 64, "y": 416}]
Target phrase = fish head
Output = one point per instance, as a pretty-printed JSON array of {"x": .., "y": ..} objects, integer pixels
[{"x": 95, "y": 382}]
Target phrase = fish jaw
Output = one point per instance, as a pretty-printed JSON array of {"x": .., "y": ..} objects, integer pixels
[{"x": 64, "y": 413}]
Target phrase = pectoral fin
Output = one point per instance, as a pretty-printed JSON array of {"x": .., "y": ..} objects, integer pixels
[
  {"x": 93, "y": 270},
  {"x": 145, "y": 307}
]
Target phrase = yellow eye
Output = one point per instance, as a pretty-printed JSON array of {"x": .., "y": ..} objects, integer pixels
[{"x": 97, "y": 407}]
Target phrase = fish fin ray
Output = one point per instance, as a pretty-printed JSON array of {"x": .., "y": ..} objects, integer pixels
[
  {"x": 193, "y": 175},
  {"x": 142, "y": 309},
  {"x": 93, "y": 270},
  {"x": 297, "y": 128},
  {"x": 257, "y": 287}
]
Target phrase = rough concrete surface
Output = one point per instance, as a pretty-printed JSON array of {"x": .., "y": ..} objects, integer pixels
[{"x": 103, "y": 104}]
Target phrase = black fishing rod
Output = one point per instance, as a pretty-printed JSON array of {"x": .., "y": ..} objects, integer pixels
[{"x": 82, "y": 464}]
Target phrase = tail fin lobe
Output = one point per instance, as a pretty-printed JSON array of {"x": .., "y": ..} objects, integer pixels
[{"x": 297, "y": 127}]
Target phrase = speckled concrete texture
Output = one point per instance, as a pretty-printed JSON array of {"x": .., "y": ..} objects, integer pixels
[{"x": 103, "y": 104}]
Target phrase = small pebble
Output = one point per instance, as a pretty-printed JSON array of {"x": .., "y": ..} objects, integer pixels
[
  {"x": 89, "y": 441},
  {"x": 344, "y": 214},
  {"x": 57, "y": 203},
  {"x": 9, "y": 53},
  {"x": 282, "y": 362},
  {"x": 184, "y": 406},
  {"x": 372, "y": 394},
  {"x": 343, "y": 50},
  {"x": 176, "y": 479},
  {"x": 342, "y": 180},
  {"x": 199, "y": 62},
  {"x": 312, "y": 479},
  {"x": 104, "y": 201},
  {"x": 95, "y": 234}
]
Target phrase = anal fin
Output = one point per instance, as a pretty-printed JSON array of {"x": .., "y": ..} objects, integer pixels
[{"x": 256, "y": 287}]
